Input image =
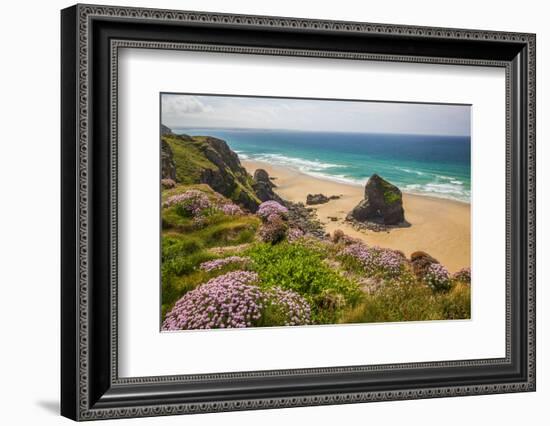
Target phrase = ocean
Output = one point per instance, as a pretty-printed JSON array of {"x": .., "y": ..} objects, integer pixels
[{"x": 431, "y": 165}]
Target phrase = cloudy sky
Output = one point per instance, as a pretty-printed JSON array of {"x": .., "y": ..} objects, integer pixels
[{"x": 201, "y": 112}]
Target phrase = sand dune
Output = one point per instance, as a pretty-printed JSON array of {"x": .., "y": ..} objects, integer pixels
[{"x": 439, "y": 227}]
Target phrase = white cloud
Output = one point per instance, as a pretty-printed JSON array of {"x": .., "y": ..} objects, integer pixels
[{"x": 183, "y": 104}]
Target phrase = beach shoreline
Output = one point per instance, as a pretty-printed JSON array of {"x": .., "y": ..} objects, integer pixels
[{"x": 439, "y": 226}]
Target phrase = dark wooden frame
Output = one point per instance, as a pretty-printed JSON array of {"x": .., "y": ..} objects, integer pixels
[{"x": 91, "y": 37}]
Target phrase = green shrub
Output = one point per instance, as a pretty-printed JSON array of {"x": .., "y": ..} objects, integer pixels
[
  {"x": 301, "y": 269},
  {"x": 172, "y": 219},
  {"x": 182, "y": 265},
  {"x": 173, "y": 246}
]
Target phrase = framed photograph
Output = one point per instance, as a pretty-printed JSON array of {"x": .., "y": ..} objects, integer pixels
[{"x": 263, "y": 212}]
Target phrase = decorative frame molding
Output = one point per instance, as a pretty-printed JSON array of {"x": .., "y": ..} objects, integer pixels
[{"x": 91, "y": 388}]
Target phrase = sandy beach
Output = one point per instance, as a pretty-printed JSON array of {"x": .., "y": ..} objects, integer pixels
[{"x": 439, "y": 227}]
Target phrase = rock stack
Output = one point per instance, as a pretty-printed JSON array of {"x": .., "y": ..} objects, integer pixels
[
  {"x": 382, "y": 205},
  {"x": 264, "y": 187}
]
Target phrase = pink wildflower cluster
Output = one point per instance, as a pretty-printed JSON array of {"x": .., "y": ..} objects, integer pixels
[
  {"x": 167, "y": 183},
  {"x": 233, "y": 300},
  {"x": 273, "y": 230},
  {"x": 376, "y": 259},
  {"x": 231, "y": 209},
  {"x": 193, "y": 202},
  {"x": 220, "y": 263},
  {"x": 228, "y": 301},
  {"x": 437, "y": 277},
  {"x": 464, "y": 275},
  {"x": 271, "y": 208},
  {"x": 295, "y": 234},
  {"x": 294, "y": 307}
]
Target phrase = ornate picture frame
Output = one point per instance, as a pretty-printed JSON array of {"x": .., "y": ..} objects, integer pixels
[{"x": 91, "y": 39}]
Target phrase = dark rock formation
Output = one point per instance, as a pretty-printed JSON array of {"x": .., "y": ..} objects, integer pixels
[
  {"x": 313, "y": 199},
  {"x": 264, "y": 187},
  {"x": 260, "y": 175},
  {"x": 229, "y": 177},
  {"x": 420, "y": 262},
  {"x": 383, "y": 204},
  {"x": 219, "y": 153},
  {"x": 168, "y": 168}
]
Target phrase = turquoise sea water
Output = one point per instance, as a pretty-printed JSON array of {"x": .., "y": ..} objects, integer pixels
[{"x": 426, "y": 165}]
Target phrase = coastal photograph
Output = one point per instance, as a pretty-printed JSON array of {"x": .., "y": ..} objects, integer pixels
[{"x": 302, "y": 212}]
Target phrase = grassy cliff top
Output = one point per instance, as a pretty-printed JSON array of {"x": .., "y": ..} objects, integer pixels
[
  {"x": 189, "y": 157},
  {"x": 204, "y": 159}
]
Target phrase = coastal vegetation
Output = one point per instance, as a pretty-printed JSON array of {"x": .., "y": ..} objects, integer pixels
[{"x": 235, "y": 254}]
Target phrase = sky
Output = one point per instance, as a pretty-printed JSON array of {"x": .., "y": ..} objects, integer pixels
[{"x": 225, "y": 112}]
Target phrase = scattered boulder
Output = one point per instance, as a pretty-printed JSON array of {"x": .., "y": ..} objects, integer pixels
[
  {"x": 313, "y": 199},
  {"x": 383, "y": 204},
  {"x": 337, "y": 235},
  {"x": 420, "y": 262}
]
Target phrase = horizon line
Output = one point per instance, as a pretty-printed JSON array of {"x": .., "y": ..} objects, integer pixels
[{"x": 315, "y": 131}]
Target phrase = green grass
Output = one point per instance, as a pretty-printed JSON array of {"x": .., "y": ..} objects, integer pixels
[
  {"x": 410, "y": 301},
  {"x": 185, "y": 245},
  {"x": 188, "y": 158},
  {"x": 190, "y": 162},
  {"x": 301, "y": 269},
  {"x": 313, "y": 268},
  {"x": 181, "y": 188}
]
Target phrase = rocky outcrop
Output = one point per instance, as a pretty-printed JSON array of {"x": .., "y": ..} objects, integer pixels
[
  {"x": 299, "y": 216},
  {"x": 420, "y": 262},
  {"x": 382, "y": 205},
  {"x": 264, "y": 187},
  {"x": 228, "y": 177},
  {"x": 168, "y": 168},
  {"x": 260, "y": 175},
  {"x": 209, "y": 160},
  {"x": 313, "y": 199}
]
